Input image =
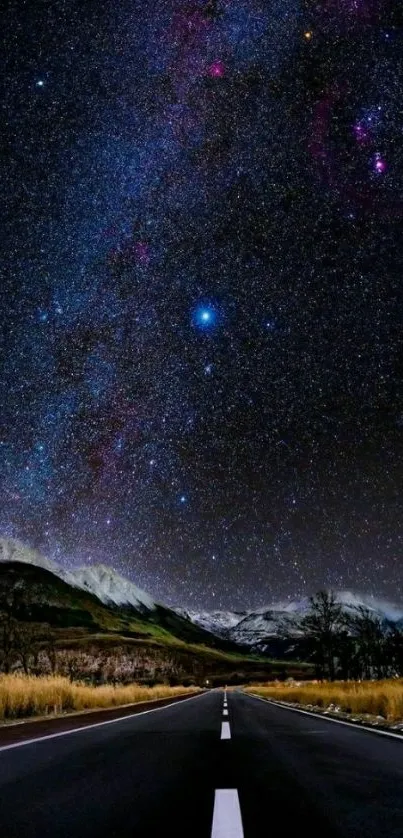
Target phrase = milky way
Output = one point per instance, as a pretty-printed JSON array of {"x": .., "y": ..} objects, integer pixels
[{"x": 202, "y": 271}]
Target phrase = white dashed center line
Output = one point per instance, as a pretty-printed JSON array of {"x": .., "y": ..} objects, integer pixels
[
  {"x": 227, "y": 818},
  {"x": 225, "y": 712},
  {"x": 225, "y": 730}
]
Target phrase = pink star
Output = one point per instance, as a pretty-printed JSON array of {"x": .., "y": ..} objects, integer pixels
[
  {"x": 216, "y": 69},
  {"x": 380, "y": 165}
]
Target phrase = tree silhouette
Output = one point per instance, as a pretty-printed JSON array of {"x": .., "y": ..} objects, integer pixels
[
  {"x": 369, "y": 636},
  {"x": 322, "y": 628}
]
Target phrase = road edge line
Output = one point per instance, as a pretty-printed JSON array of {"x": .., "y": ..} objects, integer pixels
[
  {"x": 73, "y": 714},
  {"x": 60, "y": 733},
  {"x": 314, "y": 715}
]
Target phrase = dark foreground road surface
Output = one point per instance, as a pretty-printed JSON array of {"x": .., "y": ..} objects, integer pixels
[{"x": 157, "y": 774}]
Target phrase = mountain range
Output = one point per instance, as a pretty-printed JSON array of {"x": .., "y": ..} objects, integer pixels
[
  {"x": 275, "y": 629},
  {"x": 271, "y": 631},
  {"x": 91, "y": 623}
]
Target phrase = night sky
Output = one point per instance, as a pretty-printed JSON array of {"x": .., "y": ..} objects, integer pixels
[{"x": 202, "y": 274}]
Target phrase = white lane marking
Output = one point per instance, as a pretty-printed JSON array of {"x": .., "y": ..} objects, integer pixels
[
  {"x": 328, "y": 718},
  {"x": 225, "y": 730},
  {"x": 225, "y": 712},
  {"x": 91, "y": 727},
  {"x": 227, "y": 818},
  {"x": 225, "y": 704}
]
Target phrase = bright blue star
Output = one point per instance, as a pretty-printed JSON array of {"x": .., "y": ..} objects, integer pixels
[{"x": 204, "y": 316}]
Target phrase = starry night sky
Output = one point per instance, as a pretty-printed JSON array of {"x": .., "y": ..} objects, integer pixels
[{"x": 202, "y": 273}]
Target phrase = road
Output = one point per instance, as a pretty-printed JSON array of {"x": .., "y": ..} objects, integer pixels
[{"x": 160, "y": 773}]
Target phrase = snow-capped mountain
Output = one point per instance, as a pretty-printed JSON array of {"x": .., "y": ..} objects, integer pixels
[
  {"x": 100, "y": 580},
  {"x": 265, "y": 628},
  {"x": 248, "y": 628},
  {"x": 12, "y": 550},
  {"x": 274, "y": 629},
  {"x": 256, "y": 628},
  {"x": 380, "y": 607},
  {"x": 109, "y": 586},
  {"x": 217, "y": 622}
]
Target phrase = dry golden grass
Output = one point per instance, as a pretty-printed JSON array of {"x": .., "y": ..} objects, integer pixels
[
  {"x": 377, "y": 698},
  {"x": 27, "y": 695}
]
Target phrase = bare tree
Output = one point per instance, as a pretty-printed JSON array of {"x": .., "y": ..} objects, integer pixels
[
  {"x": 322, "y": 627},
  {"x": 50, "y": 649},
  {"x": 369, "y": 637},
  {"x": 20, "y": 636},
  {"x": 10, "y": 610},
  {"x": 394, "y": 650},
  {"x": 27, "y": 642},
  {"x": 7, "y": 640}
]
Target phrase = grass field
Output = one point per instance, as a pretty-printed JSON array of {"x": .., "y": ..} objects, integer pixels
[
  {"x": 22, "y": 696},
  {"x": 376, "y": 698}
]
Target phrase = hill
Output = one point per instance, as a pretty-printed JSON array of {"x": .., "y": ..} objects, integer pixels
[{"x": 72, "y": 629}]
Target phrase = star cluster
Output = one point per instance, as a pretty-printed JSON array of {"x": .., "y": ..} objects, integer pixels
[{"x": 202, "y": 275}]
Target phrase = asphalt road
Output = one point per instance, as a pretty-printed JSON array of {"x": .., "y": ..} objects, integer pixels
[{"x": 157, "y": 774}]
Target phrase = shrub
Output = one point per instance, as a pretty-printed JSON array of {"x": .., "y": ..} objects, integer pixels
[
  {"x": 29, "y": 695},
  {"x": 377, "y": 698}
]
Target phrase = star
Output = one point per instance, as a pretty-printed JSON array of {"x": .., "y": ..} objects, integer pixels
[
  {"x": 379, "y": 164},
  {"x": 204, "y": 316},
  {"x": 217, "y": 69}
]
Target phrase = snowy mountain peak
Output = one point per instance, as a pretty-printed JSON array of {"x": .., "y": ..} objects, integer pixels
[
  {"x": 100, "y": 580},
  {"x": 263, "y": 628},
  {"x": 381, "y": 607},
  {"x": 12, "y": 550},
  {"x": 109, "y": 586},
  {"x": 217, "y": 622}
]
